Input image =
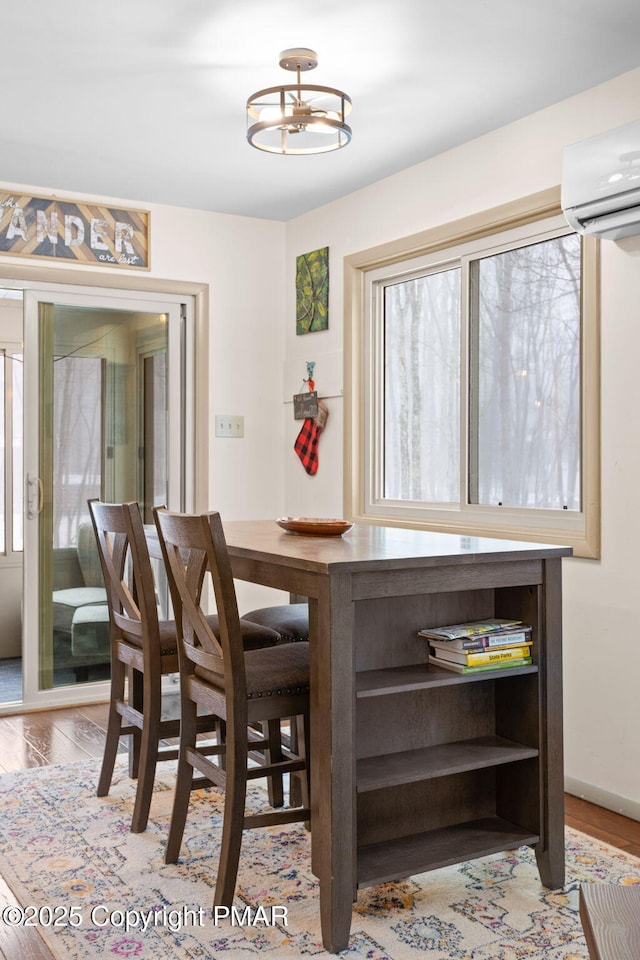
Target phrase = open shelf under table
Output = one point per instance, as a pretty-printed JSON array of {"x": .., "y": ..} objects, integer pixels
[
  {"x": 441, "y": 760},
  {"x": 407, "y": 856},
  {"x": 419, "y": 676}
]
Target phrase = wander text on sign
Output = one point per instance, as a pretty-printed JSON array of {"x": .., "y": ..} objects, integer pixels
[{"x": 32, "y": 226}]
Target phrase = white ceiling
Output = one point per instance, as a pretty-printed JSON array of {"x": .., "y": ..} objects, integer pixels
[{"x": 144, "y": 99}]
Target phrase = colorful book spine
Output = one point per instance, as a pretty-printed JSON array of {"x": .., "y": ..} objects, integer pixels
[
  {"x": 460, "y": 668},
  {"x": 502, "y": 639},
  {"x": 508, "y": 639},
  {"x": 486, "y": 656}
]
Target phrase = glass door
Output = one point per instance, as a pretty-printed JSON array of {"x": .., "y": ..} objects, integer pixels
[
  {"x": 104, "y": 419},
  {"x": 11, "y": 490}
]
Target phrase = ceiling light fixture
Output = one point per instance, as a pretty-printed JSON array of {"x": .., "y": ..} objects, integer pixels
[{"x": 298, "y": 118}]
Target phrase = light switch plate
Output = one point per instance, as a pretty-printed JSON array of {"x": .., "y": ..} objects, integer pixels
[{"x": 229, "y": 426}]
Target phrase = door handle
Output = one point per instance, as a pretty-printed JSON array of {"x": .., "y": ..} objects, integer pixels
[{"x": 35, "y": 496}]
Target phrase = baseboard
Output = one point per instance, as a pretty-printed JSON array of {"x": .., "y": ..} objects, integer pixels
[{"x": 603, "y": 798}]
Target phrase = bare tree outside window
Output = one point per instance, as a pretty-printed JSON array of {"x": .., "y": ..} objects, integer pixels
[
  {"x": 526, "y": 377},
  {"x": 524, "y": 332},
  {"x": 422, "y": 388}
]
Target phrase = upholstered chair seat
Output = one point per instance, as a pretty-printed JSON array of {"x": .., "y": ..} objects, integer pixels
[
  {"x": 290, "y": 620},
  {"x": 269, "y": 672}
]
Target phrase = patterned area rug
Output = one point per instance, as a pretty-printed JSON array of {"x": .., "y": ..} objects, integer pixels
[{"x": 96, "y": 890}]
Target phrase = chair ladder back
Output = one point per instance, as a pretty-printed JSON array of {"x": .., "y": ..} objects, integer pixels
[
  {"x": 113, "y": 546},
  {"x": 144, "y": 582},
  {"x": 185, "y": 555},
  {"x": 225, "y": 592}
]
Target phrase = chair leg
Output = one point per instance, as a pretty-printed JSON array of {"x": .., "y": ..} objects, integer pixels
[
  {"x": 299, "y": 784},
  {"x": 295, "y": 780},
  {"x": 136, "y": 699},
  {"x": 303, "y": 731},
  {"x": 304, "y": 736},
  {"x": 148, "y": 752},
  {"x": 184, "y": 777},
  {"x": 273, "y": 754},
  {"x": 114, "y": 726},
  {"x": 233, "y": 822},
  {"x": 221, "y": 736}
]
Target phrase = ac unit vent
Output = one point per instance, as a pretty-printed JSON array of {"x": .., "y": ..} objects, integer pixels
[{"x": 601, "y": 184}]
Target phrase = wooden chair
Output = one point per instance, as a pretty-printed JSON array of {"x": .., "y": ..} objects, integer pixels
[
  {"x": 143, "y": 646},
  {"x": 242, "y": 687}
]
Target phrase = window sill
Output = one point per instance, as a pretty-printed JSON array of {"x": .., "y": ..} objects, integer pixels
[{"x": 583, "y": 544}]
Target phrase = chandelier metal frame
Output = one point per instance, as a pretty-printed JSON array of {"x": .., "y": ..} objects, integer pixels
[{"x": 290, "y": 110}]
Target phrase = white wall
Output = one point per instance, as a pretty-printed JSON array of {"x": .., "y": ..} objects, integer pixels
[
  {"x": 602, "y": 667},
  {"x": 242, "y": 261}
]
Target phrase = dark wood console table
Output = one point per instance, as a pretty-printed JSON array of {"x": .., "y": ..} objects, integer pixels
[{"x": 415, "y": 767}]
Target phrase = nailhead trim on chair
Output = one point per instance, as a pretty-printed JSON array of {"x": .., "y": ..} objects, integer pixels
[{"x": 284, "y": 691}]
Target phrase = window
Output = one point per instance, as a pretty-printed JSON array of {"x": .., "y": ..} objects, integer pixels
[
  {"x": 78, "y": 390},
  {"x": 525, "y": 376},
  {"x": 153, "y": 403},
  {"x": 17, "y": 405},
  {"x": 420, "y": 319},
  {"x": 473, "y": 400},
  {"x": 10, "y": 451}
]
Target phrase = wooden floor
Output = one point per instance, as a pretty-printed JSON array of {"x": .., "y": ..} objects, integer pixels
[
  {"x": 37, "y": 740},
  {"x": 77, "y": 733}
]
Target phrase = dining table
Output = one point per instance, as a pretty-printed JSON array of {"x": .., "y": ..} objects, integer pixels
[{"x": 415, "y": 767}]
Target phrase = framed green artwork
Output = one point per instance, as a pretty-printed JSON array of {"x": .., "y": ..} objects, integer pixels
[{"x": 312, "y": 291}]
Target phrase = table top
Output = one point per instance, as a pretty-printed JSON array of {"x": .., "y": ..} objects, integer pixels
[
  {"x": 372, "y": 546},
  {"x": 610, "y": 915}
]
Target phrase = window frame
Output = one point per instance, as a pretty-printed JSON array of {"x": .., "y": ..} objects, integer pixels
[{"x": 528, "y": 219}]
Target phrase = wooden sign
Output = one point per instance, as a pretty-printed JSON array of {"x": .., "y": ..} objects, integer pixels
[
  {"x": 73, "y": 231},
  {"x": 305, "y": 405}
]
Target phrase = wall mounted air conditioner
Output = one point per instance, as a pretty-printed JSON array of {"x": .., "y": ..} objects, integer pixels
[{"x": 601, "y": 183}]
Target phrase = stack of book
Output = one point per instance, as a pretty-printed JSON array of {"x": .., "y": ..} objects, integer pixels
[{"x": 479, "y": 645}]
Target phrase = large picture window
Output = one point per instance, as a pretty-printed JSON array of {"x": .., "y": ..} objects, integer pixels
[{"x": 474, "y": 396}]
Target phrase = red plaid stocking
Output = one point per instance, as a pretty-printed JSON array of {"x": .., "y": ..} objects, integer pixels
[{"x": 306, "y": 445}]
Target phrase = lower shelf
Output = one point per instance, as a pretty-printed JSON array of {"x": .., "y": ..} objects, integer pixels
[
  {"x": 421, "y": 676},
  {"x": 440, "y": 760},
  {"x": 417, "y": 853}
]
